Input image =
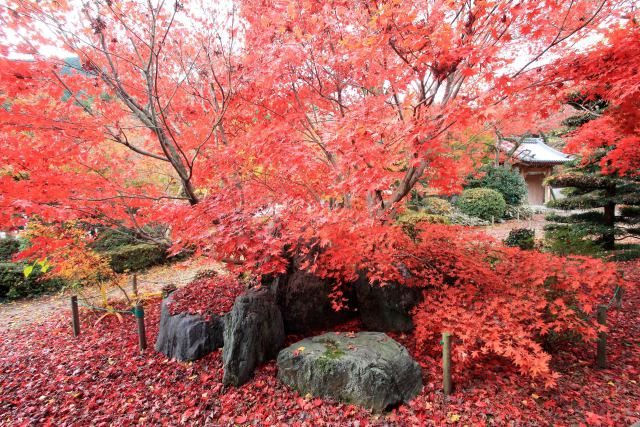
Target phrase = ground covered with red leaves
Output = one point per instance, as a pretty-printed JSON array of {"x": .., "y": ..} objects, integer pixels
[
  {"x": 49, "y": 378},
  {"x": 207, "y": 295}
]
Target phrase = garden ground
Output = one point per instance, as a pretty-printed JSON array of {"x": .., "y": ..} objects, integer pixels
[
  {"x": 16, "y": 314},
  {"x": 49, "y": 378}
]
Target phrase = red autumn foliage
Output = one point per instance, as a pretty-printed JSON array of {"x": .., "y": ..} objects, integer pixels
[
  {"x": 268, "y": 126},
  {"x": 497, "y": 300},
  {"x": 609, "y": 72},
  {"x": 100, "y": 378},
  {"x": 206, "y": 296}
]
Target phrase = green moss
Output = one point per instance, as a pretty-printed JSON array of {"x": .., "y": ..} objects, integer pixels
[
  {"x": 332, "y": 351},
  {"x": 325, "y": 361}
]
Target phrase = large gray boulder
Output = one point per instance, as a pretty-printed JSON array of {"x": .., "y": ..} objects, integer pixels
[
  {"x": 187, "y": 336},
  {"x": 305, "y": 302},
  {"x": 387, "y": 307},
  {"x": 253, "y": 333},
  {"x": 367, "y": 369}
]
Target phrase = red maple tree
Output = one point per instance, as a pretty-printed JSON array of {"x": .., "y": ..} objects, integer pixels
[{"x": 258, "y": 126}]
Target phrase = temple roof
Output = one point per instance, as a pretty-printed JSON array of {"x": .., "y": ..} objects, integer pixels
[{"x": 534, "y": 150}]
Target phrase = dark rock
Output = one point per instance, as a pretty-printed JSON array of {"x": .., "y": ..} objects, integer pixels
[
  {"x": 367, "y": 369},
  {"x": 253, "y": 333},
  {"x": 188, "y": 336},
  {"x": 305, "y": 303},
  {"x": 386, "y": 307}
]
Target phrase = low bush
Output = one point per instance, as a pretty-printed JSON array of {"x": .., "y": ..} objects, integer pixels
[
  {"x": 110, "y": 239},
  {"x": 136, "y": 257},
  {"x": 8, "y": 248},
  {"x": 518, "y": 212},
  {"x": 506, "y": 181},
  {"x": 13, "y": 283},
  {"x": 437, "y": 206},
  {"x": 459, "y": 218},
  {"x": 483, "y": 203},
  {"x": 524, "y": 238},
  {"x": 410, "y": 221}
]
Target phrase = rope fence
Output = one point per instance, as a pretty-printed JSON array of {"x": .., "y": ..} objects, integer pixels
[{"x": 137, "y": 309}]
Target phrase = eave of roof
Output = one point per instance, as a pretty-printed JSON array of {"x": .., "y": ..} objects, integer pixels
[{"x": 535, "y": 151}]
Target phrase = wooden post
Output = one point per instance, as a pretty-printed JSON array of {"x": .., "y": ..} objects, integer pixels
[
  {"x": 75, "y": 316},
  {"x": 134, "y": 286},
  {"x": 446, "y": 363},
  {"x": 619, "y": 297},
  {"x": 492, "y": 220},
  {"x": 138, "y": 311},
  {"x": 601, "y": 357}
]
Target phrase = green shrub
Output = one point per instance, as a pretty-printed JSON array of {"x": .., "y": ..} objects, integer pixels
[
  {"x": 110, "y": 239},
  {"x": 410, "y": 221},
  {"x": 14, "y": 285},
  {"x": 8, "y": 247},
  {"x": 136, "y": 257},
  {"x": 437, "y": 206},
  {"x": 459, "y": 218},
  {"x": 507, "y": 182},
  {"x": 483, "y": 203},
  {"x": 562, "y": 239},
  {"x": 518, "y": 212},
  {"x": 624, "y": 252},
  {"x": 524, "y": 238}
]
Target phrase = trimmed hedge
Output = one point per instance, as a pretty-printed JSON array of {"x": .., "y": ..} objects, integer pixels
[
  {"x": 14, "y": 285},
  {"x": 505, "y": 181},
  {"x": 136, "y": 257},
  {"x": 8, "y": 247},
  {"x": 111, "y": 239},
  {"x": 483, "y": 203}
]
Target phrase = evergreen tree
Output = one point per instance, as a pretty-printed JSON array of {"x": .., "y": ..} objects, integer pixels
[{"x": 604, "y": 208}]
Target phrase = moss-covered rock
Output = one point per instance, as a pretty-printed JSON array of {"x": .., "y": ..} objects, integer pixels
[{"x": 367, "y": 369}]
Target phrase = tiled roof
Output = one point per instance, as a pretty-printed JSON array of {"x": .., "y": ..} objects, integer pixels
[{"x": 534, "y": 150}]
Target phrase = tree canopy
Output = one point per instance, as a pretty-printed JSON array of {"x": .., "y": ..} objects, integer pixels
[{"x": 254, "y": 127}]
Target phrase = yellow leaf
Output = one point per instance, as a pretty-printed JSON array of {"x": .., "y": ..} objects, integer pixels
[
  {"x": 535, "y": 396},
  {"x": 454, "y": 418},
  {"x": 611, "y": 383}
]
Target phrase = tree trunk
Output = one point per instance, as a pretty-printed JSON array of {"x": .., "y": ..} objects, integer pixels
[{"x": 608, "y": 238}]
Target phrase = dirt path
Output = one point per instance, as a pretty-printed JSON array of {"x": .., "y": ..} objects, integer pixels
[
  {"x": 15, "y": 314},
  {"x": 501, "y": 231},
  {"x": 537, "y": 223}
]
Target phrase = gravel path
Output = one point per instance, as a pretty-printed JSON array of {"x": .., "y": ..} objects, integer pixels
[{"x": 15, "y": 314}]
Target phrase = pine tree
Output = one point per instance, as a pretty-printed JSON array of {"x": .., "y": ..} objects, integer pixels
[{"x": 604, "y": 208}]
